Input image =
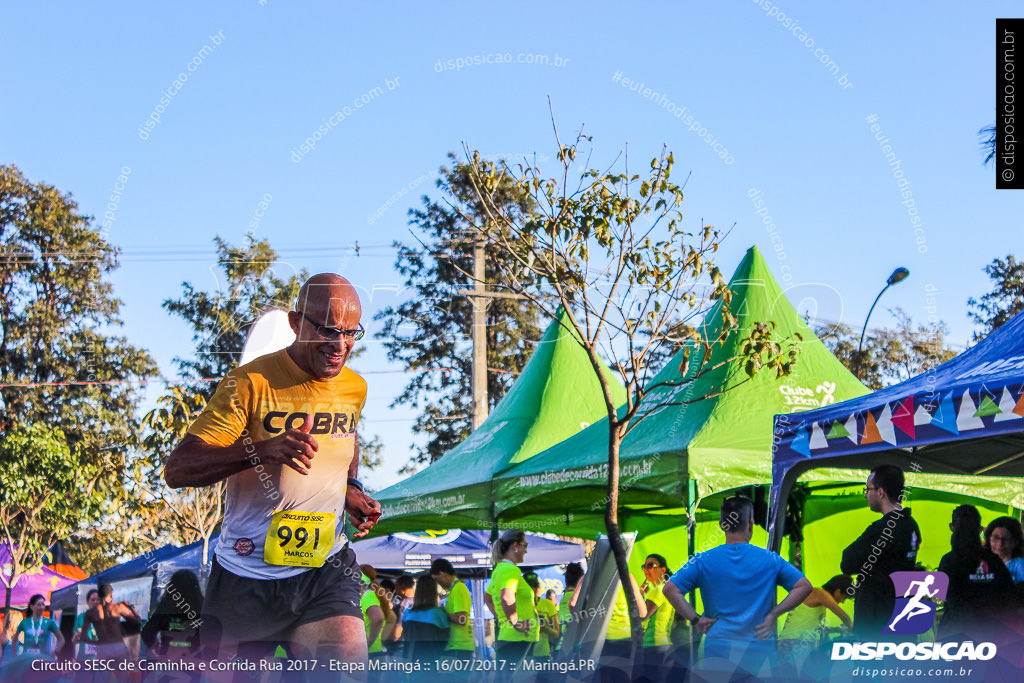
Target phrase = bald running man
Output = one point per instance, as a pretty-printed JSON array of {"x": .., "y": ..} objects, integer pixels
[{"x": 282, "y": 431}]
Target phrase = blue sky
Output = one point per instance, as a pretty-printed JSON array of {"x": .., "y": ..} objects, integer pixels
[{"x": 83, "y": 79}]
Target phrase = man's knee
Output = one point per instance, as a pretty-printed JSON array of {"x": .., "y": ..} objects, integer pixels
[{"x": 341, "y": 636}]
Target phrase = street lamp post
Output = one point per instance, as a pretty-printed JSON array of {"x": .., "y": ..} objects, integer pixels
[{"x": 898, "y": 275}]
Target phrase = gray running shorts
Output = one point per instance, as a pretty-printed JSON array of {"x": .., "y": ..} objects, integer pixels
[{"x": 239, "y": 609}]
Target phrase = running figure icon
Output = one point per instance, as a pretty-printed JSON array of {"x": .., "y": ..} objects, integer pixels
[{"x": 914, "y": 607}]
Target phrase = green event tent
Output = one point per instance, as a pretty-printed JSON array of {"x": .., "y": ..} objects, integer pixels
[
  {"x": 556, "y": 395},
  {"x": 687, "y": 458},
  {"x": 720, "y": 443}
]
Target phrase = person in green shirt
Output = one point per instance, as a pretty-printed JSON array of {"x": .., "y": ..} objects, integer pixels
[
  {"x": 806, "y": 623},
  {"x": 660, "y": 614},
  {"x": 547, "y": 615},
  {"x": 573, "y": 581},
  {"x": 510, "y": 599},
  {"x": 85, "y": 649},
  {"x": 617, "y": 652},
  {"x": 373, "y": 613},
  {"x": 35, "y": 629},
  {"x": 457, "y": 607}
]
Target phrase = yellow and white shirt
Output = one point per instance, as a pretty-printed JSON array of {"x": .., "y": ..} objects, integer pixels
[{"x": 277, "y": 522}]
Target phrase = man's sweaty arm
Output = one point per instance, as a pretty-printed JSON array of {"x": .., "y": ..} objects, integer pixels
[
  {"x": 363, "y": 510},
  {"x": 193, "y": 462}
]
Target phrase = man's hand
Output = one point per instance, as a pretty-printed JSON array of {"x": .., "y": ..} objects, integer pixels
[
  {"x": 766, "y": 629},
  {"x": 703, "y": 624},
  {"x": 295, "y": 448},
  {"x": 363, "y": 511},
  {"x": 523, "y": 626}
]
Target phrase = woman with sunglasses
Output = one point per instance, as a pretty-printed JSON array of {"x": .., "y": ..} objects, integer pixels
[
  {"x": 511, "y": 600},
  {"x": 660, "y": 615}
]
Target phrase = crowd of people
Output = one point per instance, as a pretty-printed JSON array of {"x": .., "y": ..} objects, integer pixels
[
  {"x": 523, "y": 621},
  {"x": 104, "y": 629},
  {"x": 430, "y": 617}
]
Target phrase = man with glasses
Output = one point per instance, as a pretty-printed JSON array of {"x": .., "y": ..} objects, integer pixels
[
  {"x": 888, "y": 545},
  {"x": 281, "y": 430}
]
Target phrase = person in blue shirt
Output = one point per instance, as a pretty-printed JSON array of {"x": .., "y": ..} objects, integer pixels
[
  {"x": 737, "y": 583},
  {"x": 426, "y": 624},
  {"x": 35, "y": 629}
]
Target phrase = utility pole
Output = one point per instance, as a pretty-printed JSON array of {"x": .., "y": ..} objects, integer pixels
[{"x": 480, "y": 301}]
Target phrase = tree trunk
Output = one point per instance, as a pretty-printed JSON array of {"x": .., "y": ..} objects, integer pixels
[
  {"x": 7, "y": 615},
  {"x": 611, "y": 521},
  {"x": 15, "y": 575}
]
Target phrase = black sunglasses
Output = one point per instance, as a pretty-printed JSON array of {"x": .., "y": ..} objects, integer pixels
[{"x": 332, "y": 333}]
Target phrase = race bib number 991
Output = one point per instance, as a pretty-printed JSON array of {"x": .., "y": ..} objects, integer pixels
[{"x": 299, "y": 539}]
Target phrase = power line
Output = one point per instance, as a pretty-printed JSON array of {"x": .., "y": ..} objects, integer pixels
[
  {"x": 165, "y": 380},
  {"x": 186, "y": 253}
]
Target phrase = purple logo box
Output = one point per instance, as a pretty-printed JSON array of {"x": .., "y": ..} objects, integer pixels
[{"x": 916, "y": 592}]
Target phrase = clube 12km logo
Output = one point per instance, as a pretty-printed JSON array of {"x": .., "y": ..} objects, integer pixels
[{"x": 914, "y": 614}]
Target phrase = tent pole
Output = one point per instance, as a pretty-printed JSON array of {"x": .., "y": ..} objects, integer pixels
[
  {"x": 796, "y": 538},
  {"x": 691, "y": 524},
  {"x": 494, "y": 524},
  {"x": 691, "y": 545}
]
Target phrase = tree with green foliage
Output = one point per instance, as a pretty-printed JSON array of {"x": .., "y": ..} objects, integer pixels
[
  {"x": 429, "y": 334},
  {"x": 249, "y": 284},
  {"x": 888, "y": 356},
  {"x": 1006, "y": 300},
  {"x": 46, "y": 493},
  {"x": 60, "y": 363},
  {"x": 194, "y": 513},
  {"x": 610, "y": 247},
  {"x": 220, "y": 321}
]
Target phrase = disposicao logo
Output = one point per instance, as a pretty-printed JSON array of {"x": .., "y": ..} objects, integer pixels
[
  {"x": 916, "y": 592},
  {"x": 914, "y": 614}
]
